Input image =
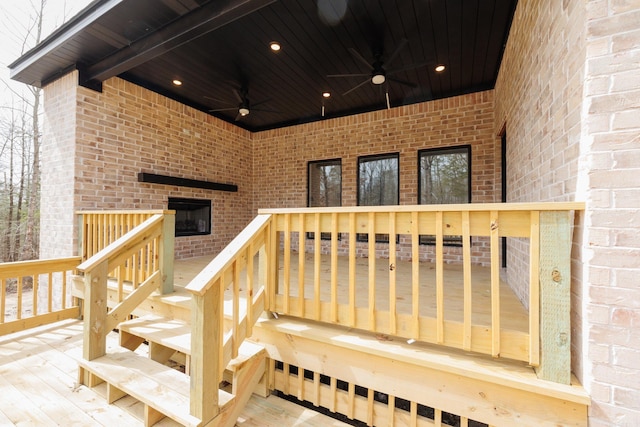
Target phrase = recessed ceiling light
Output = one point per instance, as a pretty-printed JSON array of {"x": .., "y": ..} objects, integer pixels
[
  {"x": 177, "y": 82},
  {"x": 326, "y": 94},
  {"x": 275, "y": 46},
  {"x": 440, "y": 68}
]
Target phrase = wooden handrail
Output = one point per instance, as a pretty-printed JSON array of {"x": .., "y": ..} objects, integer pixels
[
  {"x": 470, "y": 207},
  {"x": 208, "y": 276}
]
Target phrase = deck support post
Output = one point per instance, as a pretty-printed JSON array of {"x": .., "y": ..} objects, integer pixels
[
  {"x": 166, "y": 252},
  {"x": 555, "y": 296}
]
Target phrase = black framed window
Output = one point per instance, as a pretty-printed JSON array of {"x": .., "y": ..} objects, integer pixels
[
  {"x": 378, "y": 184},
  {"x": 444, "y": 178},
  {"x": 324, "y": 180}
]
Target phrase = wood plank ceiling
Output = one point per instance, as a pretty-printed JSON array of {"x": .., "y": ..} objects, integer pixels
[{"x": 220, "y": 48}]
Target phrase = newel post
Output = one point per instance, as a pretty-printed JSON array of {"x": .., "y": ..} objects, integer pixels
[
  {"x": 95, "y": 312},
  {"x": 555, "y": 297},
  {"x": 206, "y": 352},
  {"x": 166, "y": 251}
]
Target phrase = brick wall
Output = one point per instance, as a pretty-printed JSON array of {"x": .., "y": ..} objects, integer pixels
[
  {"x": 538, "y": 102},
  {"x": 126, "y": 130},
  {"x": 57, "y": 167},
  {"x": 611, "y": 146},
  {"x": 281, "y": 156},
  {"x": 568, "y": 92}
]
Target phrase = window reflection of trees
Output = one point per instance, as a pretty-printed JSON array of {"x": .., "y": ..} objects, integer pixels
[
  {"x": 378, "y": 181},
  {"x": 444, "y": 178},
  {"x": 378, "y": 178}
]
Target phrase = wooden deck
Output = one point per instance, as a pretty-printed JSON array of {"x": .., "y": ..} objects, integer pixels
[{"x": 38, "y": 384}]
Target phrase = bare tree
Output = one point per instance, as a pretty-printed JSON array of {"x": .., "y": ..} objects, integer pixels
[{"x": 20, "y": 160}]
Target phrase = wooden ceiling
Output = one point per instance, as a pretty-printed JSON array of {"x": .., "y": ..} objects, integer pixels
[{"x": 219, "y": 47}]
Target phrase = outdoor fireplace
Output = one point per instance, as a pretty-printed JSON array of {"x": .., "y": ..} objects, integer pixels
[{"x": 193, "y": 216}]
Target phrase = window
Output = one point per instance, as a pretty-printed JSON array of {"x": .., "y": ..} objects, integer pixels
[
  {"x": 378, "y": 184},
  {"x": 325, "y": 183},
  {"x": 444, "y": 177},
  {"x": 324, "y": 187}
]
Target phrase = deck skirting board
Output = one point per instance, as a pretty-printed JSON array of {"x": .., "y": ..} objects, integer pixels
[{"x": 471, "y": 386}]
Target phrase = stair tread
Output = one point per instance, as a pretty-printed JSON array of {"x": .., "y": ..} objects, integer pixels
[
  {"x": 156, "y": 385},
  {"x": 176, "y": 335},
  {"x": 171, "y": 333}
]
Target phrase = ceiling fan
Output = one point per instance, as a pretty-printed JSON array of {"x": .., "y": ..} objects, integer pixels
[
  {"x": 244, "y": 107},
  {"x": 379, "y": 73}
]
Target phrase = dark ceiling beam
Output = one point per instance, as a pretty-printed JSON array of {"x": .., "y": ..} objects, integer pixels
[{"x": 197, "y": 23}]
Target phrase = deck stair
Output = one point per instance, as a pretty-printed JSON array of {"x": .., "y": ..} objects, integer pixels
[{"x": 164, "y": 390}]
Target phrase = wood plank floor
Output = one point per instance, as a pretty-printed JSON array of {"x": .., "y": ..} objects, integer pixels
[{"x": 38, "y": 387}]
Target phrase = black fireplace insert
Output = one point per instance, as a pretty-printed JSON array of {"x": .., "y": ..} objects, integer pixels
[{"x": 193, "y": 216}]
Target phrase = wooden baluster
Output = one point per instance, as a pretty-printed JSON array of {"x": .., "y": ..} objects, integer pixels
[
  {"x": 64, "y": 289},
  {"x": 3, "y": 298},
  {"x": 415, "y": 276},
  {"x": 316, "y": 267},
  {"x": 301, "y": 262},
  {"x": 392, "y": 274},
  {"x": 439, "y": 279},
  {"x": 352, "y": 269},
  {"x": 34, "y": 294},
  {"x": 372, "y": 270},
  {"x": 495, "y": 284},
  {"x": 287, "y": 261},
  {"x": 236, "y": 310},
  {"x": 250, "y": 285},
  {"x": 334, "y": 267},
  {"x": 50, "y": 292},
  {"x": 19, "y": 302},
  {"x": 468, "y": 291}
]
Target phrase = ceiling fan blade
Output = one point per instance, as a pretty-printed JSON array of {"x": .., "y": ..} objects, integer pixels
[
  {"x": 356, "y": 87},
  {"x": 223, "y": 109},
  {"x": 238, "y": 117},
  {"x": 237, "y": 94},
  {"x": 216, "y": 99},
  {"x": 348, "y": 75},
  {"x": 265, "y": 111},
  {"x": 402, "y": 82},
  {"x": 264, "y": 101},
  {"x": 395, "y": 53},
  {"x": 359, "y": 57}
]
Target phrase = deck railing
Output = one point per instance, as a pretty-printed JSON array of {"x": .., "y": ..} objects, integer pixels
[
  {"x": 34, "y": 293},
  {"x": 146, "y": 246},
  {"x": 242, "y": 269},
  {"x": 99, "y": 229},
  {"x": 315, "y": 294}
]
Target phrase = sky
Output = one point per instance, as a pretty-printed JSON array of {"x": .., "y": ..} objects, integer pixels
[{"x": 16, "y": 17}]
